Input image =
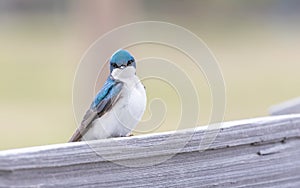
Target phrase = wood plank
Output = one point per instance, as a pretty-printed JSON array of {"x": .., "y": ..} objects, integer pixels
[
  {"x": 260, "y": 152},
  {"x": 289, "y": 107}
]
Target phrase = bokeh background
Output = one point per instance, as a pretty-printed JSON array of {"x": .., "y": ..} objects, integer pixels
[{"x": 257, "y": 44}]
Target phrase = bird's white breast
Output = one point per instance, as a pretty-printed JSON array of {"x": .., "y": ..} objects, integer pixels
[{"x": 125, "y": 113}]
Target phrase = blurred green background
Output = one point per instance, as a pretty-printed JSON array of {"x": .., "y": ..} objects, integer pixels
[{"x": 257, "y": 44}]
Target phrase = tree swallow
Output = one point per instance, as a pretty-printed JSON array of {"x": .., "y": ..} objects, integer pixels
[{"x": 119, "y": 105}]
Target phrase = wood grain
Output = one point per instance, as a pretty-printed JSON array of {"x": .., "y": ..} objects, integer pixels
[{"x": 261, "y": 152}]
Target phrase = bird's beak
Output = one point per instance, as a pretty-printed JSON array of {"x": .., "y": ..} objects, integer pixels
[{"x": 122, "y": 66}]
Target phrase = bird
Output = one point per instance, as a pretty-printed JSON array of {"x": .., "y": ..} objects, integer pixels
[{"x": 119, "y": 105}]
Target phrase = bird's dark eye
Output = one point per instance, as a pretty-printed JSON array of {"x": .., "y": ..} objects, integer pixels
[
  {"x": 129, "y": 62},
  {"x": 114, "y": 65}
]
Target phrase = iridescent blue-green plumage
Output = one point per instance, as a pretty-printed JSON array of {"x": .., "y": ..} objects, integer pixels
[
  {"x": 111, "y": 87},
  {"x": 108, "y": 94},
  {"x": 103, "y": 102},
  {"x": 109, "y": 91},
  {"x": 121, "y": 58}
]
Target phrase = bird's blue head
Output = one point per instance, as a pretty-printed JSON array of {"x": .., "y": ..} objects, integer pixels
[{"x": 121, "y": 59}]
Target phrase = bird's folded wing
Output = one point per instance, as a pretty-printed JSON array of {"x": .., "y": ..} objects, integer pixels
[{"x": 108, "y": 95}]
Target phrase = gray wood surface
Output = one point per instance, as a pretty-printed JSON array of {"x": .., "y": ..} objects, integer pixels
[
  {"x": 261, "y": 152},
  {"x": 289, "y": 107}
]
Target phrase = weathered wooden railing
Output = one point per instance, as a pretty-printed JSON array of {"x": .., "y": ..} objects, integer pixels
[
  {"x": 288, "y": 107},
  {"x": 261, "y": 152}
]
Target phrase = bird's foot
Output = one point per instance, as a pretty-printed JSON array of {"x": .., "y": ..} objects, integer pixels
[{"x": 129, "y": 134}]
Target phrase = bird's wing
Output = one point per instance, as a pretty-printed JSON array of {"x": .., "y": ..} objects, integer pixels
[{"x": 108, "y": 95}]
